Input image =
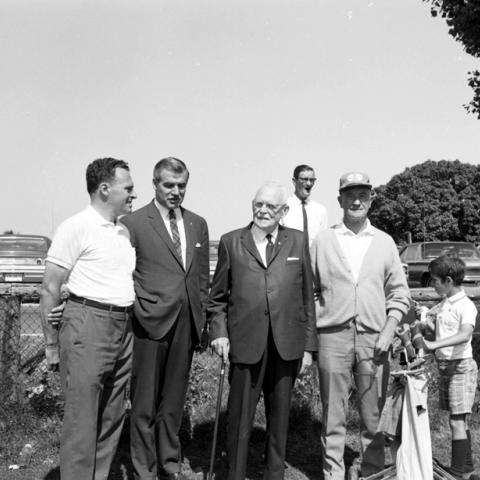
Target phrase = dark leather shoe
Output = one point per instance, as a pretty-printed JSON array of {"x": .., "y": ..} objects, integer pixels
[{"x": 174, "y": 476}]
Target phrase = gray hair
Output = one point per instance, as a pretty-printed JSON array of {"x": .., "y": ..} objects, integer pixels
[{"x": 281, "y": 190}]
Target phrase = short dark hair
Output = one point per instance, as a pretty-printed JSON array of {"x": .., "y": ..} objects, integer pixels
[
  {"x": 173, "y": 164},
  {"x": 102, "y": 170},
  {"x": 448, "y": 265},
  {"x": 301, "y": 168}
]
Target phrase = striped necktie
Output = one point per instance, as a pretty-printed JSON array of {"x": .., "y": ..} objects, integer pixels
[{"x": 175, "y": 234}]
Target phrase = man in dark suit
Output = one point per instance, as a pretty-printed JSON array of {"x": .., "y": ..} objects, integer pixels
[
  {"x": 171, "y": 285},
  {"x": 262, "y": 316}
]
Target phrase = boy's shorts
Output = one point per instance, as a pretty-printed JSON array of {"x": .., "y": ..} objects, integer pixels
[{"x": 458, "y": 383}]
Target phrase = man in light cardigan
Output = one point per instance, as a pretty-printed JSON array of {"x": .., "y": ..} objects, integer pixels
[{"x": 362, "y": 294}]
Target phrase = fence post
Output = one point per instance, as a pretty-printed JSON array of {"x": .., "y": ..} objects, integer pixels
[{"x": 10, "y": 349}]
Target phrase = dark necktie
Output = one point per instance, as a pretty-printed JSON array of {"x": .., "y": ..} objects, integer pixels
[
  {"x": 268, "y": 248},
  {"x": 305, "y": 222},
  {"x": 175, "y": 234}
]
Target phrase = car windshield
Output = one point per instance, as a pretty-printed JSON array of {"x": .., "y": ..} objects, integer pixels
[
  {"x": 23, "y": 244},
  {"x": 463, "y": 250}
]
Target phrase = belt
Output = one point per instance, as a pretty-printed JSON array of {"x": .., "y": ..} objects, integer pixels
[
  {"x": 338, "y": 328},
  {"x": 102, "y": 306}
]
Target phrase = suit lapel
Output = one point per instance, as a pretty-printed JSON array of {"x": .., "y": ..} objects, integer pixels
[
  {"x": 249, "y": 244},
  {"x": 158, "y": 225},
  {"x": 189, "y": 237},
  {"x": 282, "y": 238}
]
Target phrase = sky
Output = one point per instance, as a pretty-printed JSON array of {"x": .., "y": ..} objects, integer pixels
[{"x": 241, "y": 90}]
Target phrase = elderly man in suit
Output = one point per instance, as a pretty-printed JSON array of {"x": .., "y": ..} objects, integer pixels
[
  {"x": 171, "y": 285},
  {"x": 262, "y": 316}
]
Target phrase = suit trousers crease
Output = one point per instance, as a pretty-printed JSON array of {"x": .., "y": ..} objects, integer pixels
[
  {"x": 95, "y": 361},
  {"x": 341, "y": 353},
  {"x": 160, "y": 376},
  {"x": 275, "y": 377}
]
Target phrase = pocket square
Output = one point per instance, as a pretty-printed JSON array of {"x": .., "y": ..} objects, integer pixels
[
  {"x": 292, "y": 259},
  {"x": 198, "y": 245}
]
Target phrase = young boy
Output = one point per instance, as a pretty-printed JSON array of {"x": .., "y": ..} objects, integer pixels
[{"x": 454, "y": 324}]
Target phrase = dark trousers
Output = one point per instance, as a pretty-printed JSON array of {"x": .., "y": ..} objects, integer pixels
[
  {"x": 159, "y": 385},
  {"x": 95, "y": 360},
  {"x": 275, "y": 377}
]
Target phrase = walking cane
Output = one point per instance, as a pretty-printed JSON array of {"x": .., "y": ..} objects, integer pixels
[{"x": 217, "y": 418}]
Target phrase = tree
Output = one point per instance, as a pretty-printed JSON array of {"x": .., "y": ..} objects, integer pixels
[
  {"x": 432, "y": 201},
  {"x": 463, "y": 20}
]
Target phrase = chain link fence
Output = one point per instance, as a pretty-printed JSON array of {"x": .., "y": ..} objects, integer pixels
[{"x": 22, "y": 359}]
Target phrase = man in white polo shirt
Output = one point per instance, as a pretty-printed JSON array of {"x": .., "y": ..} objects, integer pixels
[
  {"x": 91, "y": 253},
  {"x": 304, "y": 213}
]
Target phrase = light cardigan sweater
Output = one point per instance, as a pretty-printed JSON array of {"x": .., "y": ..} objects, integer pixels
[{"x": 381, "y": 288}]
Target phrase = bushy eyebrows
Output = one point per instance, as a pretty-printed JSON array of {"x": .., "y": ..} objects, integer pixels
[{"x": 172, "y": 184}]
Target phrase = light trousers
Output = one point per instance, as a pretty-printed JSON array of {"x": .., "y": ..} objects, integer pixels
[{"x": 345, "y": 352}]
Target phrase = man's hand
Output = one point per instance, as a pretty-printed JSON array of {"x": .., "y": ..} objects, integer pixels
[
  {"x": 55, "y": 315},
  {"x": 385, "y": 337},
  {"x": 306, "y": 363},
  {"x": 221, "y": 346},
  {"x": 53, "y": 358}
]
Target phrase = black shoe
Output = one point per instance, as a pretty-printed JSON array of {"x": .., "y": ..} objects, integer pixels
[{"x": 174, "y": 476}]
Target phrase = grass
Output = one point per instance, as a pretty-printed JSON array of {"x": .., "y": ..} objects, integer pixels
[{"x": 38, "y": 421}]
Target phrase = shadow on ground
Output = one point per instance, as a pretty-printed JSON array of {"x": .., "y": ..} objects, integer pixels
[{"x": 303, "y": 459}]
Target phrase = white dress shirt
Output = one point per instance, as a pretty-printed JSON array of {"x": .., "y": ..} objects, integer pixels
[
  {"x": 317, "y": 217},
  {"x": 181, "y": 227},
  {"x": 354, "y": 245},
  {"x": 260, "y": 239}
]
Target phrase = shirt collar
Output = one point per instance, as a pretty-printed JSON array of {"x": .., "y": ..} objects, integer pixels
[
  {"x": 164, "y": 210},
  {"x": 98, "y": 218},
  {"x": 343, "y": 230},
  {"x": 259, "y": 235},
  {"x": 455, "y": 298},
  {"x": 299, "y": 201}
]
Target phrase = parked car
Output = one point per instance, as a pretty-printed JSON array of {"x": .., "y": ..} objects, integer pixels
[
  {"x": 213, "y": 257},
  {"x": 22, "y": 258},
  {"x": 418, "y": 255}
]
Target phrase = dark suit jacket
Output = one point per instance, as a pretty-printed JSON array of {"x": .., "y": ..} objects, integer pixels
[
  {"x": 246, "y": 296},
  {"x": 162, "y": 284}
]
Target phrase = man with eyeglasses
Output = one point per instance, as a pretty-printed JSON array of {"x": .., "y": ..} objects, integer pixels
[
  {"x": 304, "y": 213},
  {"x": 362, "y": 294},
  {"x": 261, "y": 313}
]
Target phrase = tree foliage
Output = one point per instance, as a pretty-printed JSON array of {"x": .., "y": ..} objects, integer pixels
[
  {"x": 432, "y": 201},
  {"x": 463, "y": 20}
]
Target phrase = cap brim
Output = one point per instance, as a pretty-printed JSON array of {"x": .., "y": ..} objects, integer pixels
[{"x": 351, "y": 185}]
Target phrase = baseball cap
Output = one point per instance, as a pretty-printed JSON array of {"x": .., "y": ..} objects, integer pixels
[{"x": 354, "y": 179}]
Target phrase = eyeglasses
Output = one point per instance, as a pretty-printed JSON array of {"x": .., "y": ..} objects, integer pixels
[
  {"x": 307, "y": 180},
  {"x": 268, "y": 206}
]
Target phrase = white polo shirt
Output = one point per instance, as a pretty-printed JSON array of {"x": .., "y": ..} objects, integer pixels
[
  {"x": 98, "y": 255},
  {"x": 452, "y": 313}
]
